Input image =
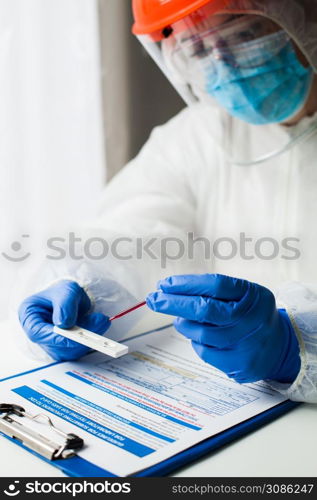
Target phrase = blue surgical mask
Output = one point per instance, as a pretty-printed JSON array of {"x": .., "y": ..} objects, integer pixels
[{"x": 259, "y": 82}]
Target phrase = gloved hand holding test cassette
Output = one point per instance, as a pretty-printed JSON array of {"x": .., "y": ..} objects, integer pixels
[
  {"x": 97, "y": 342},
  {"x": 60, "y": 319}
]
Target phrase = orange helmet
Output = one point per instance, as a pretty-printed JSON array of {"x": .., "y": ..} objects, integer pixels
[{"x": 152, "y": 16}]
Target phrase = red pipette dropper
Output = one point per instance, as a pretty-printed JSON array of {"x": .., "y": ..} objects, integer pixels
[{"x": 127, "y": 311}]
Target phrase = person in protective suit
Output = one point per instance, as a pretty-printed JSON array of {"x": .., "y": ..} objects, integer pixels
[{"x": 237, "y": 168}]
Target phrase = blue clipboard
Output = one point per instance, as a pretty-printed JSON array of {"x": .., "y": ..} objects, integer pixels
[{"x": 79, "y": 467}]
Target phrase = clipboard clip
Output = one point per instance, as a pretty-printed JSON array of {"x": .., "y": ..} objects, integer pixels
[{"x": 45, "y": 446}]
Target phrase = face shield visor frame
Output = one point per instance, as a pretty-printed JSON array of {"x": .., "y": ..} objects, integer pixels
[{"x": 233, "y": 37}]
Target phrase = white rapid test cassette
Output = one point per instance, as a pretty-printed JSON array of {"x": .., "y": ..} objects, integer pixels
[{"x": 94, "y": 341}]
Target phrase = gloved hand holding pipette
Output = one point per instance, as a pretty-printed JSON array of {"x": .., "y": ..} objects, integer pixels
[{"x": 233, "y": 324}]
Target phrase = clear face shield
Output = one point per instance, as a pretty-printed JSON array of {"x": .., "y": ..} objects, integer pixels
[{"x": 244, "y": 64}]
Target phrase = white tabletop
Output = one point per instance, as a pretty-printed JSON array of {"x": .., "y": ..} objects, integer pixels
[{"x": 286, "y": 447}]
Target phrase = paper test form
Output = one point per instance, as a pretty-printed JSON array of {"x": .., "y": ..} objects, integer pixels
[{"x": 143, "y": 408}]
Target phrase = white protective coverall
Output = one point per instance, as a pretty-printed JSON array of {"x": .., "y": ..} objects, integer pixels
[{"x": 260, "y": 218}]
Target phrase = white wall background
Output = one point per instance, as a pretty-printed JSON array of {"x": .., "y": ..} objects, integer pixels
[{"x": 52, "y": 161}]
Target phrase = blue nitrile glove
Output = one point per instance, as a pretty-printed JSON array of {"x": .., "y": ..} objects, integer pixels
[
  {"x": 234, "y": 325},
  {"x": 64, "y": 304}
]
